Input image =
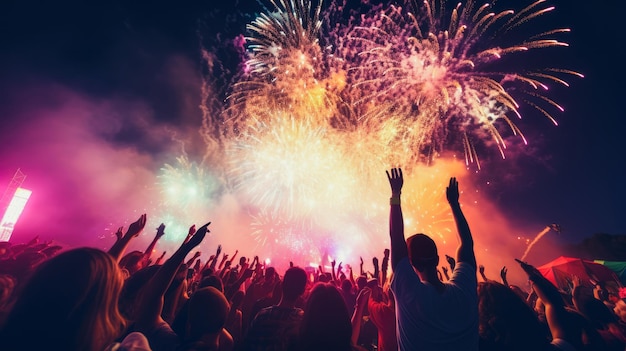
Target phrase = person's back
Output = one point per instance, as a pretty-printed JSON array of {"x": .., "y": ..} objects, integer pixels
[
  {"x": 432, "y": 315},
  {"x": 276, "y": 327},
  {"x": 383, "y": 316},
  {"x": 432, "y": 320}
]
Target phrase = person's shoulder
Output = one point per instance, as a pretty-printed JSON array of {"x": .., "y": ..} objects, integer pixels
[
  {"x": 278, "y": 312},
  {"x": 264, "y": 313},
  {"x": 290, "y": 312},
  {"x": 403, "y": 267},
  {"x": 134, "y": 341},
  {"x": 404, "y": 280},
  {"x": 464, "y": 265},
  {"x": 464, "y": 268},
  {"x": 403, "y": 272}
]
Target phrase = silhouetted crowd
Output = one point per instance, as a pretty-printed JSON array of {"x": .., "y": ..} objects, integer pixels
[{"x": 88, "y": 299}]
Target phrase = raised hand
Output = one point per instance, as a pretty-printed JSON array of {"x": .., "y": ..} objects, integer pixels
[
  {"x": 247, "y": 274},
  {"x": 503, "y": 276},
  {"x": 119, "y": 233},
  {"x": 190, "y": 233},
  {"x": 481, "y": 270},
  {"x": 118, "y": 248},
  {"x": 198, "y": 236},
  {"x": 451, "y": 261},
  {"x": 395, "y": 180},
  {"x": 137, "y": 226},
  {"x": 33, "y": 241},
  {"x": 529, "y": 269},
  {"x": 445, "y": 272},
  {"x": 452, "y": 191},
  {"x": 160, "y": 230}
]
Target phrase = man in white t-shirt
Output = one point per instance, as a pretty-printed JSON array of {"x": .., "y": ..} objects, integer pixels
[{"x": 432, "y": 315}]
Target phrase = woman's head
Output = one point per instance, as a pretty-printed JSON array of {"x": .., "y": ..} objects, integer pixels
[
  {"x": 133, "y": 261},
  {"x": 326, "y": 323},
  {"x": 70, "y": 302},
  {"x": 506, "y": 322},
  {"x": 208, "y": 310}
]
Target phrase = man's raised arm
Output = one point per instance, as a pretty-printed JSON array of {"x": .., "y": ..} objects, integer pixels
[
  {"x": 465, "y": 252},
  {"x": 396, "y": 221}
]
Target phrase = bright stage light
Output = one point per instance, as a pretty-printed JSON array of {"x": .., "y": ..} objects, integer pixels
[{"x": 13, "y": 212}]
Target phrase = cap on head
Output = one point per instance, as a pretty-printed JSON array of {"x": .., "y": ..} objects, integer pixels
[{"x": 422, "y": 251}]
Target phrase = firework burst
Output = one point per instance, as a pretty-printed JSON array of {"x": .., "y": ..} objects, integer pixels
[
  {"x": 186, "y": 184},
  {"x": 286, "y": 69},
  {"x": 288, "y": 166},
  {"x": 437, "y": 71},
  {"x": 320, "y": 109},
  {"x": 272, "y": 231},
  {"x": 188, "y": 191}
]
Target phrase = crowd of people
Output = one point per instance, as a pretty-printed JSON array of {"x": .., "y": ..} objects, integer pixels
[{"x": 89, "y": 299}]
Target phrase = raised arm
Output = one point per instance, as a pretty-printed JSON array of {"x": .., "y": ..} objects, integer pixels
[
  {"x": 561, "y": 324},
  {"x": 158, "y": 261},
  {"x": 215, "y": 258},
  {"x": 465, "y": 252},
  {"x": 399, "y": 250},
  {"x": 376, "y": 268},
  {"x": 503, "y": 276},
  {"x": 384, "y": 267},
  {"x": 481, "y": 270},
  {"x": 148, "y": 253},
  {"x": 451, "y": 261},
  {"x": 193, "y": 259},
  {"x": 361, "y": 266},
  {"x": 117, "y": 250},
  {"x": 151, "y": 304},
  {"x": 445, "y": 272},
  {"x": 351, "y": 276},
  {"x": 357, "y": 315}
]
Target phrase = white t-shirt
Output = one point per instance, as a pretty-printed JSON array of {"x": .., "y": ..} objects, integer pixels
[{"x": 430, "y": 321}]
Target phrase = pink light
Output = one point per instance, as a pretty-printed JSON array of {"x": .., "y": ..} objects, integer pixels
[{"x": 13, "y": 212}]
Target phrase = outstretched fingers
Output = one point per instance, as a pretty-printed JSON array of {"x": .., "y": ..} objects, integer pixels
[{"x": 199, "y": 235}]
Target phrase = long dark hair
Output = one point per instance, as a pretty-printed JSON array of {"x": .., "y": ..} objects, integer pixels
[
  {"x": 326, "y": 323},
  {"x": 69, "y": 303}
]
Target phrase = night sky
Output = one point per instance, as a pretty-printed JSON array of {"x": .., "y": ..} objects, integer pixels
[{"x": 118, "y": 82}]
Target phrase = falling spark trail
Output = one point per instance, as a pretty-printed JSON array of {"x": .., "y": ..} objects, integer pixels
[{"x": 545, "y": 231}]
